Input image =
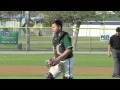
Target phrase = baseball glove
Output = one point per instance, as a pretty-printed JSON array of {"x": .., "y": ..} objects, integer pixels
[{"x": 51, "y": 62}]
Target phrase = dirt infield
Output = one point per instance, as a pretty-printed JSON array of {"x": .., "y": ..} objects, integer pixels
[{"x": 41, "y": 70}]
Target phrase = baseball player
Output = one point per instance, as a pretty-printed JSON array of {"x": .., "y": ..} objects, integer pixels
[
  {"x": 63, "y": 60},
  {"x": 114, "y": 43}
]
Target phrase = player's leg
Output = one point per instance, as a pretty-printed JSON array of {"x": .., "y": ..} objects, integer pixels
[
  {"x": 68, "y": 68},
  {"x": 118, "y": 54},
  {"x": 54, "y": 71},
  {"x": 116, "y": 72},
  {"x": 49, "y": 75}
]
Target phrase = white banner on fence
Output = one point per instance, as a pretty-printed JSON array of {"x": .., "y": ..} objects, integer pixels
[{"x": 104, "y": 37}]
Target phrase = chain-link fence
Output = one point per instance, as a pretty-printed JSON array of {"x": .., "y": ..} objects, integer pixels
[{"x": 41, "y": 39}]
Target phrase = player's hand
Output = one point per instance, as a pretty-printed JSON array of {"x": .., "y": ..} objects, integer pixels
[
  {"x": 109, "y": 54},
  {"x": 52, "y": 62}
]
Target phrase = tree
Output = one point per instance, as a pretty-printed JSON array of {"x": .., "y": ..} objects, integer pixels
[
  {"x": 75, "y": 17},
  {"x": 8, "y": 13},
  {"x": 102, "y": 16}
]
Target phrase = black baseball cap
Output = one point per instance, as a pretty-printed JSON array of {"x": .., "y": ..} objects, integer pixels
[{"x": 118, "y": 29}]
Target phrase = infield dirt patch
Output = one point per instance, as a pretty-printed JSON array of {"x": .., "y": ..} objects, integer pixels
[{"x": 41, "y": 70}]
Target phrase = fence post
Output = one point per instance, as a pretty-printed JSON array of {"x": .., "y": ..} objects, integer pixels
[
  {"x": 89, "y": 41},
  {"x": 19, "y": 46},
  {"x": 27, "y": 18}
]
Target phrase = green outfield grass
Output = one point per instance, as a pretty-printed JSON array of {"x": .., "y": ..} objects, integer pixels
[
  {"x": 48, "y": 46},
  {"x": 39, "y": 60},
  {"x": 49, "y": 38}
]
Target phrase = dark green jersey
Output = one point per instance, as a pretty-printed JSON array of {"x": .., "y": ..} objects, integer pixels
[{"x": 61, "y": 42}]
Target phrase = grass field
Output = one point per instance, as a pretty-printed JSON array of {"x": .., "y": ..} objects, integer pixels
[{"x": 39, "y": 60}]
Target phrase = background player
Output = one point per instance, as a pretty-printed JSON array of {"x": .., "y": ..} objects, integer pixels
[{"x": 114, "y": 43}]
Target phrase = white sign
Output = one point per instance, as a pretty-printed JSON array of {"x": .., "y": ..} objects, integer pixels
[{"x": 105, "y": 37}]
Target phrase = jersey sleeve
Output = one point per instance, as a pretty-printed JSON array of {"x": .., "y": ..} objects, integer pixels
[{"x": 67, "y": 42}]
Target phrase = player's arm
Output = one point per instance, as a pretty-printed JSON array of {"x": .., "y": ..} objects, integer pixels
[
  {"x": 64, "y": 54},
  {"x": 109, "y": 50},
  {"x": 110, "y": 46}
]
